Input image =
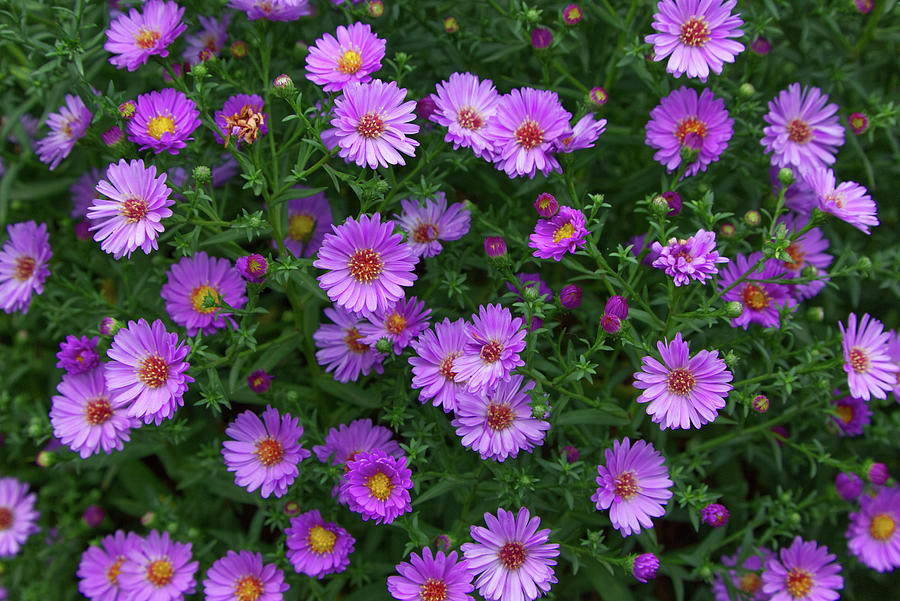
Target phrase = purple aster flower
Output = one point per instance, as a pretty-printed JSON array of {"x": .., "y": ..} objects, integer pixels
[
  {"x": 512, "y": 558},
  {"x": 686, "y": 392},
  {"x": 545, "y": 204},
  {"x": 195, "y": 289},
  {"x": 684, "y": 120},
  {"x": 399, "y": 323},
  {"x": 100, "y": 566},
  {"x": 852, "y": 415},
  {"x": 464, "y": 105},
  {"x": 23, "y": 265},
  {"x": 316, "y": 547},
  {"x": 273, "y": 10},
  {"x": 564, "y": 232},
  {"x": 523, "y": 130},
  {"x": 243, "y": 577},
  {"x": 804, "y": 131},
  {"x": 645, "y": 567},
  {"x": 870, "y": 371},
  {"x": 745, "y": 579},
  {"x": 135, "y": 37},
  {"x": 252, "y": 267},
  {"x": 259, "y": 381},
  {"x": 84, "y": 418},
  {"x": 209, "y": 41},
  {"x": 697, "y": 36},
  {"x": 353, "y": 56},
  {"x": 372, "y": 124},
  {"x": 761, "y": 300},
  {"x": 360, "y": 436},
  {"x": 264, "y": 453},
  {"x": 715, "y": 514},
  {"x": 806, "y": 251},
  {"x": 570, "y": 296},
  {"x": 673, "y": 199},
  {"x": 241, "y": 117},
  {"x": 368, "y": 264},
  {"x": 426, "y": 225},
  {"x": 158, "y": 569},
  {"x": 874, "y": 535},
  {"x": 571, "y": 453},
  {"x": 598, "y": 96},
  {"x": 581, "y": 135},
  {"x": 67, "y": 127},
  {"x": 146, "y": 373},
  {"x": 848, "y": 201},
  {"x": 691, "y": 259},
  {"x": 83, "y": 193},
  {"x": 634, "y": 485},
  {"x": 163, "y": 121},
  {"x": 376, "y": 486},
  {"x": 17, "y": 516},
  {"x": 309, "y": 219},
  {"x": 499, "y": 424},
  {"x": 432, "y": 577},
  {"x": 848, "y": 485},
  {"x": 77, "y": 356},
  {"x": 129, "y": 206},
  {"x": 433, "y": 364},
  {"x": 492, "y": 350},
  {"x": 340, "y": 350},
  {"x": 805, "y": 571}
]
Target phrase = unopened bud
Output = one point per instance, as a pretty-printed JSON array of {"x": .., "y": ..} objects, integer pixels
[
  {"x": 752, "y": 218},
  {"x": 733, "y": 309},
  {"x": 760, "y": 403},
  {"x": 864, "y": 264},
  {"x": 202, "y": 174},
  {"x": 816, "y": 314},
  {"x": 239, "y": 49},
  {"x": 450, "y": 25},
  {"x": 746, "y": 90},
  {"x": 727, "y": 230},
  {"x": 375, "y": 8},
  {"x": 384, "y": 346},
  {"x": 786, "y": 176}
]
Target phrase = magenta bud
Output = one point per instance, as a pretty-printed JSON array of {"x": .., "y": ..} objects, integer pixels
[
  {"x": 570, "y": 296},
  {"x": 849, "y": 486}
]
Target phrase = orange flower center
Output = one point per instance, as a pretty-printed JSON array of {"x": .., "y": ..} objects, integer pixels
[
  {"x": 799, "y": 132},
  {"x": 529, "y": 134},
  {"x": 626, "y": 486},
  {"x": 349, "y": 62},
  {"x": 153, "y": 371},
  {"x": 365, "y": 265},
  {"x": 750, "y": 583},
  {"x": 845, "y": 412},
  {"x": 395, "y": 323},
  {"x": 499, "y": 416},
  {"x": 798, "y": 257},
  {"x": 160, "y": 125},
  {"x": 112, "y": 573},
  {"x": 755, "y": 297},
  {"x": 370, "y": 125},
  {"x": 269, "y": 451},
  {"x": 563, "y": 233},
  {"x": 694, "y": 32},
  {"x": 146, "y": 38},
  {"x": 351, "y": 339},
  {"x": 433, "y": 590},
  {"x": 321, "y": 540},
  {"x": 882, "y": 527},
  {"x": 133, "y": 209},
  {"x": 159, "y": 572},
  {"x": 691, "y": 125},
  {"x": 199, "y": 296},
  {"x": 301, "y": 226},
  {"x": 98, "y": 410},
  {"x": 6, "y": 518},
  {"x": 680, "y": 381},
  {"x": 248, "y": 588},
  {"x": 380, "y": 486},
  {"x": 446, "y": 366},
  {"x": 512, "y": 555},
  {"x": 425, "y": 232},
  {"x": 859, "y": 360},
  {"x": 490, "y": 352},
  {"x": 24, "y": 268},
  {"x": 799, "y": 583},
  {"x": 468, "y": 118}
]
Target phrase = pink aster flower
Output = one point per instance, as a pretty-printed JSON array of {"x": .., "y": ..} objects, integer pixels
[
  {"x": 243, "y": 577},
  {"x": 581, "y": 135},
  {"x": 273, "y": 10},
  {"x": 196, "y": 288},
  {"x": 806, "y": 251},
  {"x": 464, "y": 105},
  {"x": 241, "y": 120},
  {"x": 17, "y": 516},
  {"x": 83, "y": 416},
  {"x": 399, "y": 324},
  {"x": 874, "y": 535},
  {"x": 499, "y": 424},
  {"x": 66, "y": 127},
  {"x": 804, "y": 131},
  {"x": 762, "y": 301},
  {"x": 746, "y": 578},
  {"x": 682, "y": 120},
  {"x": 309, "y": 220},
  {"x": 146, "y": 373},
  {"x": 852, "y": 415},
  {"x": 848, "y": 201},
  {"x": 697, "y": 36},
  {"x": 804, "y": 571},
  {"x": 492, "y": 350},
  {"x": 158, "y": 569},
  {"x": 691, "y": 259},
  {"x": 426, "y": 225},
  {"x": 562, "y": 233},
  {"x": 686, "y": 392},
  {"x": 23, "y": 265},
  {"x": 316, "y": 547},
  {"x": 209, "y": 41},
  {"x": 100, "y": 565},
  {"x": 372, "y": 124},
  {"x": 433, "y": 364},
  {"x": 264, "y": 453},
  {"x": 376, "y": 486},
  {"x": 135, "y": 37},
  {"x": 523, "y": 130},
  {"x": 340, "y": 350},
  {"x": 512, "y": 558},
  {"x": 870, "y": 371},
  {"x": 353, "y": 56},
  {"x": 163, "y": 121},
  {"x": 129, "y": 207},
  {"x": 367, "y": 264},
  {"x": 432, "y": 576},
  {"x": 634, "y": 485}
]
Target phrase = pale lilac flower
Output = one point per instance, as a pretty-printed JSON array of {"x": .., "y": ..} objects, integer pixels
[
  {"x": 135, "y": 37},
  {"x": 874, "y": 532},
  {"x": 581, "y": 135},
  {"x": 430, "y": 577},
  {"x": 492, "y": 350},
  {"x": 67, "y": 127},
  {"x": 691, "y": 259},
  {"x": 870, "y": 371},
  {"x": 340, "y": 350},
  {"x": 761, "y": 300},
  {"x": 207, "y": 42},
  {"x": 848, "y": 201},
  {"x": 426, "y": 225},
  {"x": 158, "y": 569},
  {"x": 317, "y": 548},
  {"x": 433, "y": 366},
  {"x": 352, "y": 56},
  {"x": 273, "y": 10},
  {"x": 804, "y": 571},
  {"x": 399, "y": 323},
  {"x": 17, "y": 516},
  {"x": 243, "y": 577},
  {"x": 23, "y": 265},
  {"x": 464, "y": 104},
  {"x": 100, "y": 565}
]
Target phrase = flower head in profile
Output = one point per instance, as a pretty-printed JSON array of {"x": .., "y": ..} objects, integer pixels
[
  {"x": 581, "y": 135},
  {"x": 309, "y": 219},
  {"x": 685, "y": 121},
  {"x": 23, "y": 265},
  {"x": 746, "y": 579},
  {"x": 163, "y": 121},
  {"x": 848, "y": 201},
  {"x": 804, "y": 571},
  {"x": 66, "y": 127},
  {"x": 433, "y": 369},
  {"x": 426, "y": 225},
  {"x": 340, "y": 349},
  {"x": 158, "y": 569},
  {"x": 432, "y": 576},
  {"x": 492, "y": 350},
  {"x": 691, "y": 259},
  {"x": 399, "y": 324},
  {"x": 17, "y": 516},
  {"x": 196, "y": 288},
  {"x": 209, "y": 41},
  {"x": 870, "y": 371},
  {"x": 135, "y": 37},
  {"x": 874, "y": 532},
  {"x": 761, "y": 300},
  {"x": 696, "y": 36},
  {"x": 98, "y": 571},
  {"x": 241, "y": 120},
  {"x": 634, "y": 485},
  {"x": 272, "y": 10},
  {"x": 852, "y": 415},
  {"x": 464, "y": 104},
  {"x": 243, "y": 577},
  {"x": 376, "y": 486},
  {"x": 352, "y": 56},
  {"x": 316, "y": 547},
  {"x": 562, "y": 233},
  {"x": 512, "y": 558}
]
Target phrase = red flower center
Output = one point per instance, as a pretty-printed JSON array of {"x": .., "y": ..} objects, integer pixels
[
  {"x": 351, "y": 339},
  {"x": 882, "y": 527},
  {"x": 349, "y": 62},
  {"x": 512, "y": 555},
  {"x": 153, "y": 371},
  {"x": 6, "y": 518},
  {"x": 446, "y": 366},
  {"x": 433, "y": 590},
  {"x": 269, "y": 451},
  {"x": 199, "y": 296},
  {"x": 798, "y": 257},
  {"x": 529, "y": 134},
  {"x": 98, "y": 410},
  {"x": 859, "y": 360},
  {"x": 691, "y": 125},
  {"x": 468, "y": 118},
  {"x": 159, "y": 572},
  {"x": 755, "y": 297},
  {"x": 380, "y": 485},
  {"x": 133, "y": 209},
  {"x": 799, "y": 583},
  {"x": 425, "y": 232},
  {"x": 395, "y": 323},
  {"x": 626, "y": 486},
  {"x": 680, "y": 381},
  {"x": 365, "y": 265},
  {"x": 147, "y": 38},
  {"x": 490, "y": 352},
  {"x": 694, "y": 32},
  {"x": 321, "y": 540},
  {"x": 248, "y": 588},
  {"x": 370, "y": 125},
  {"x": 499, "y": 416},
  {"x": 799, "y": 132},
  {"x": 24, "y": 268},
  {"x": 750, "y": 583},
  {"x": 112, "y": 573},
  {"x": 300, "y": 227}
]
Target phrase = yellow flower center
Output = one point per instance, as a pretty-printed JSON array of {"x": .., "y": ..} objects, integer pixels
[
  {"x": 799, "y": 583},
  {"x": 564, "y": 233},
  {"x": 300, "y": 227},
  {"x": 200, "y": 294},
  {"x": 349, "y": 62},
  {"x": 159, "y": 572},
  {"x": 380, "y": 486},
  {"x": 882, "y": 527},
  {"x": 321, "y": 540},
  {"x": 248, "y": 588},
  {"x": 159, "y": 125}
]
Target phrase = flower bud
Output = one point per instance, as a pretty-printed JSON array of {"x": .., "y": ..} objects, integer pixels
[
  {"x": 878, "y": 473},
  {"x": 112, "y": 136},
  {"x": 292, "y": 508},
  {"x": 109, "y": 326},
  {"x": 201, "y": 174},
  {"x": 617, "y": 305},
  {"x": 786, "y": 176},
  {"x": 727, "y": 230},
  {"x": 45, "y": 458},
  {"x": 674, "y": 201},
  {"x": 571, "y": 453},
  {"x": 760, "y": 403},
  {"x": 532, "y": 15},
  {"x": 93, "y": 516},
  {"x": 450, "y": 25},
  {"x": 259, "y": 381},
  {"x": 733, "y": 309},
  {"x": 239, "y": 49},
  {"x": 82, "y": 231},
  {"x": 495, "y": 246},
  {"x": 284, "y": 86},
  {"x": 690, "y": 149},
  {"x": 126, "y": 109},
  {"x": 746, "y": 90},
  {"x": 864, "y": 264},
  {"x": 752, "y": 218},
  {"x": 610, "y": 324},
  {"x": 375, "y": 8},
  {"x": 199, "y": 71},
  {"x": 715, "y": 515},
  {"x": 644, "y": 567},
  {"x": 864, "y": 6},
  {"x": 252, "y": 267},
  {"x": 570, "y": 296},
  {"x": 598, "y": 96},
  {"x": 442, "y": 543},
  {"x": 760, "y": 46},
  {"x": 545, "y": 204},
  {"x": 425, "y": 107},
  {"x": 541, "y": 38},
  {"x": 659, "y": 205},
  {"x": 148, "y": 518},
  {"x": 858, "y": 122},
  {"x": 572, "y": 14},
  {"x": 849, "y": 486},
  {"x": 384, "y": 346},
  {"x": 816, "y": 314}
]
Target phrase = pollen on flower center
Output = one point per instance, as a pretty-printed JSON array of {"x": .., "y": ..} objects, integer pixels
[
  {"x": 365, "y": 265},
  {"x": 199, "y": 294},
  {"x": 750, "y": 583},
  {"x": 491, "y": 351},
  {"x": 529, "y": 134},
  {"x": 370, "y": 125},
  {"x": 680, "y": 381},
  {"x": 153, "y": 371},
  {"x": 446, "y": 366},
  {"x": 160, "y": 125},
  {"x": 468, "y": 118},
  {"x": 248, "y": 588},
  {"x": 112, "y": 573},
  {"x": 269, "y": 451},
  {"x": 694, "y": 32},
  {"x": 425, "y": 232},
  {"x": 245, "y": 125},
  {"x": 433, "y": 590},
  {"x": 380, "y": 486},
  {"x": 755, "y": 297},
  {"x": 798, "y": 257},
  {"x": 799, "y": 131},
  {"x": 321, "y": 540},
  {"x": 395, "y": 323},
  {"x": 301, "y": 226},
  {"x": 512, "y": 555},
  {"x": 159, "y": 572},
  {"x": 691, "y": 125},
  {"x": 6, "y": 518},
  {"x": 98, "y": 410},
  {"x": 626, "y": 486},
  {"x": 564, "y": 232},
  {"x": 147, "y": 38},
  {"x": 351, "y": 339},
  {"x": 859, "y": 360},
  {"x": 799, "y": 583},
  {"x": 349, "y": 62},
  {"x": 834, "y": 198},
  {"x": 882, "y": 527},
  {"x": 499, "y": 416},
  {"x": 845, "y": 412},
  {"x": 24, "y": 268},
  {"x": 133, "y": 209}
]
